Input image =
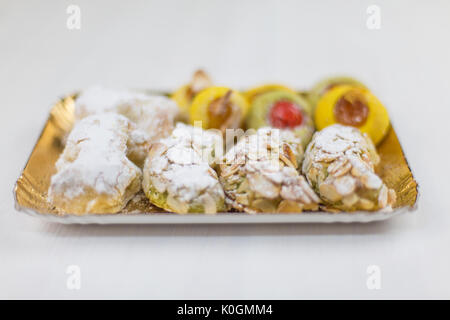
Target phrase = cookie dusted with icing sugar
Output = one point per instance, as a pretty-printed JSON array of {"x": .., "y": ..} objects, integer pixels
[
  {"x": 340, "y": 165},
  {"x": 152, "y": 116},
  {"x": 94, "y": 174},
  {"x": 178, "y": 173},
  {"x": 260, "y": 174}
]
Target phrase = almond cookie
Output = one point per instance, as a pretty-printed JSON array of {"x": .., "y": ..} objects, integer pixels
[
  {"x": 178, "y": 173},
  {"x": 339, "y": 164},
  {"x": 259, "y": 174}
]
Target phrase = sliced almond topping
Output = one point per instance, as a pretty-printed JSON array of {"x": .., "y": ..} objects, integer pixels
[
  {"x": 370, "y": 160},
  {"x": 287, "y": 161},
  {"x": 159, "y": 184},
  {"x": 295, "y": 191},
  {"x": 176, "y": 205},
  {"x": 311, "y": 206},
  {"x": 288, "y": 156},
  {"x": 392, "y": 197},
  {"x": 312, "y": 174},
  {"x": 330, "y": 209},
  {"x": 303, "y": 196},
  {"x": 383, "y": 197},
  {"x": 329, "y": 192},
  {"x": 356, "y": 172},
  {"x": 263, "y": 187},
  {"x": 371, "y": 180},
  {"x": 242, "y": 199},
  {"x": 264, "y": 205},
  {"x": 326, "y": 157},
  {"x": 350, "y": 200},
  {"x": 212, "y": 173},
  {"x": 209, "y": 205},
  {"x": 228, "y": 171},
  {"x": 243, "y": 187},
  {"x": 287, "y": 206},
  {"x": 290, "y": 192},
  {"x": 157, "y": 149},
  {"x": 365, "y": 204},
  {"x": 345, "y": 185},
  {"x": 308, "y": 190},
  {"x": 336, "y": 165},
  {"x": 342, "y": 170}
]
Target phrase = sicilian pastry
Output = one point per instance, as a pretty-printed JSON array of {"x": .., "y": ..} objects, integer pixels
[
  {"x": 152, "y": 116},
  {"x": 339, "y": 164},
  {"x": 353, "y": 106},
  {"x": 94, "y": 174},
  {"x": 257, "y": 91},
  {"x": 178, "y": 173},
  {"x": 259, "y": 174},
  {"x": 327, "y": 84},
  {"x": 220, "y": 108},
  {"x": 184, "y": 95},
  {"x": 283, "y": 110}
]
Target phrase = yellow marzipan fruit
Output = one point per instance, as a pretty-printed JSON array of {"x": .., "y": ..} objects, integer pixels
[
  {"x": 199, "y": 108},
  {"x": 376, "y": 124}
]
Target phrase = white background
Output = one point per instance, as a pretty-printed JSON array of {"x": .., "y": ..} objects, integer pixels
[{"x": 157, "y": 44}]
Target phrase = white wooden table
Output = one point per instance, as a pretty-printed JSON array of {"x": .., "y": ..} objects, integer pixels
[{"x": 157, "y": 44}]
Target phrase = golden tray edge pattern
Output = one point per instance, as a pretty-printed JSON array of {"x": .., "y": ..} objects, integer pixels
[{"x": 32, "y": 185}]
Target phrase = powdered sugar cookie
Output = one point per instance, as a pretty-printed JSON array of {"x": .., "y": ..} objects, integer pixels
[
  {"x": 94, "y": 174},
  {"x": 152, "y": 116},
  {"x": 178, "y": 176}
]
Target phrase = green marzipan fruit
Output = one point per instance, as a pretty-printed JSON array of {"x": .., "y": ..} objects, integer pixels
[
  {"x": 258, "y": 115},
  {"x": 319, "y": 89}
]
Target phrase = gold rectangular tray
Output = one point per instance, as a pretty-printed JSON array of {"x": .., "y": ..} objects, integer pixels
[{"x": 30, "y": 191}]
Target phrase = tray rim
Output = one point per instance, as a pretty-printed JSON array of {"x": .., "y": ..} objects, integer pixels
[{"x": 219, "y": 218}]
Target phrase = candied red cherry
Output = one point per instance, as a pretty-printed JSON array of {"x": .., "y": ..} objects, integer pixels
[{"x": 285, "y": 114}]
